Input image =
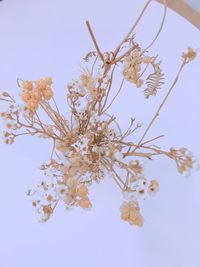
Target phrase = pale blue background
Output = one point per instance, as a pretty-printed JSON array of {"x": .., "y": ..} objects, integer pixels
[{"x": 45, "y": 37}]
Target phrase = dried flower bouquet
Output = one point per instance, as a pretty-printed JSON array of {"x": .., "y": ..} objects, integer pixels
[{"x": 90, "y": 145}]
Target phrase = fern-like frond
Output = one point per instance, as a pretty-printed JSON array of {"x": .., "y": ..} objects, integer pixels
[{"x": 155, "y": 80}]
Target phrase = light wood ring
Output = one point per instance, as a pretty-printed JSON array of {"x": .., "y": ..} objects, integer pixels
[{"x": 184, "y": 10}]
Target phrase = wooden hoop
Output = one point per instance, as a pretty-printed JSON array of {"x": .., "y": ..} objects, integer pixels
[{"x": 184, "y": 10}]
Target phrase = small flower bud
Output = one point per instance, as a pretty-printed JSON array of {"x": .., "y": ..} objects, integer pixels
[{"x": 5, "y": 94}]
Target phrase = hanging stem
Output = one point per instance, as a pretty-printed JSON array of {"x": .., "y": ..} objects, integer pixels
[
  {"x": 94, "y": 41},
  {"x": 161, "y": 105}
]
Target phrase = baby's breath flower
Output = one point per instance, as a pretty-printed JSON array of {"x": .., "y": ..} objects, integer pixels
[
  {"x": 190, "y": 54},
  {"x": 9, "y": 138},
  {"x": 153, "y": 187},
  {"x": 61, "y": 191},
  {"x": 87, "y": 81},
  {"x": 139, "y": 188},
  {"x": 136, "y": 166},
  {"x": 184, "y": 160},
  {"x": 47, "y": 212},
  {"x": 5, "y": 94}
]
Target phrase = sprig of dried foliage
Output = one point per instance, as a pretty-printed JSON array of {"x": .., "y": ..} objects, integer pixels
[{"x": 90, "y": 145}]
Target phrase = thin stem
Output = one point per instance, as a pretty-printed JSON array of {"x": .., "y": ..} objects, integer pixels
[
  {"x": 125, "y": 54},
  {"x": 54, "y": 101},
  {"x": 113, "y": 170},
  {"x": 128, "y": 130},
  {"x": 109, "y": 88},
  {"x": 120, "y": 88},
  {"x": 152, "y": 139},
  {"x": 160, "y": 29},
  {"x": 93, "y": 65},
  {"x": 94, "y": 41},
  {"x": 161, "y": 105},
  {"x": 53, "y": 149},
  {"x": 132, "y": 29},
  {"x": 2, "y": 99},
  {"x": 109, "y": 169},
  {"x": 40, "y": 123}
]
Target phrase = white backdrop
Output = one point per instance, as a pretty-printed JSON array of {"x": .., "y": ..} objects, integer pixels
[{"x": 45, "y": 37}]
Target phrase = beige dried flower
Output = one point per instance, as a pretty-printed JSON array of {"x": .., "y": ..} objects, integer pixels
[
  {"x": 84, "y": 203},
  {"x": 35, "y": 92},
  {"x": 27, "y": 85},
  {"x": 153, "y": 187},
  {"x": 190, "y": 54},
  {"x": 184, "y": 159},
  {"x": 82, "y": 191},
  {"x": 5, "y": 94},
  {"x": 132, "y": 68},
  {"x": 130, "y": 212}
]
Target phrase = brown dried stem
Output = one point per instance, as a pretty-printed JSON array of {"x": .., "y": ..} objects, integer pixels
[
  {"x": 160, "y": 107},
  {"x": 94, "y": 41}
]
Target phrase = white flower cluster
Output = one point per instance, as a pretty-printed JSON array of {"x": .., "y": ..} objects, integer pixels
[{"x": 140, "y": 189}]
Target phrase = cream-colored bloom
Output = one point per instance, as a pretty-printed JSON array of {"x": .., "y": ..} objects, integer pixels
[
  {"x": 184, "y": 160},
  {"x": 61, "y": 191},
  {"x": 132, "y": 67},
  {"x": 87, "y": 81},
  {"x": 84, "y": 203},
  {"x": 136, "y": 166},
  {"x": 190, "y": 54},
  {"x": 62, "y": 147},
  {"x": 27, "y": 85},
  {"x": 48, "y": 93},
  {"x": 47, "y": 212},
  {"x": 130, "y": 212},
  {"x": 34, "y": 92},
  {"x": 153, "y": 187},
  {"x": 81, "y": 145},
  {"x": 139, "y": 188},
  {"x": 82, "y": 190}
]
